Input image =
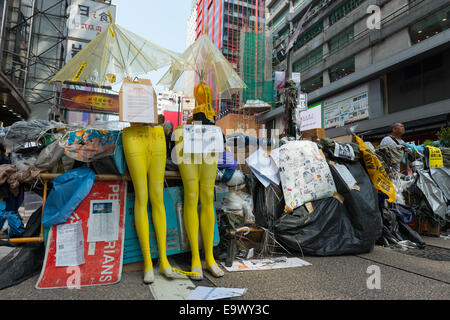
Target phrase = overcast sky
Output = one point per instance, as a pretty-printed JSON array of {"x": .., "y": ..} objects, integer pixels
[{"x": 160, "y": 21}]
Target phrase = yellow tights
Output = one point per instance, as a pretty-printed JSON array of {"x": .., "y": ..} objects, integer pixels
[
  {"x": 198, "y": 177},
  {"x": 145, "y": 152}
]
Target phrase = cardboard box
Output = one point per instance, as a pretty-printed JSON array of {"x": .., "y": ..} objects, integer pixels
[
  {"x": 313, "y": 134},
  {"x": 136, "y": 110},
  {"x": 344, "y": 139}
]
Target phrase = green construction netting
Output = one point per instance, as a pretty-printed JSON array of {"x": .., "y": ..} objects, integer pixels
[{"x": 256, "y": 67}]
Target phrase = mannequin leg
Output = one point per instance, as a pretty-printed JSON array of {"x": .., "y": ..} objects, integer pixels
[
  {"x": 156, "y": 170},
  {"x": 135, "y": 146},
  {"x": 190, "y": 176},
  {"x": 208, "y": 171}
]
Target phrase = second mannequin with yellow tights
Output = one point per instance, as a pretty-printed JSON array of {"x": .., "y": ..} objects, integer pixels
[
  {"x": 198, "y": 172},
  {"x": 145, "y": 152}
]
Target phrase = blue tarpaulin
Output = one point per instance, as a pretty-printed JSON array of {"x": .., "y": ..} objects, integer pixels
[{"x": 69, "y": 189}]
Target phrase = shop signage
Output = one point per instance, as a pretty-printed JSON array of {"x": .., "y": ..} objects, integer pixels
[
  {"x": 89, "y": 101},
  {"x": 88, "y": 18}
]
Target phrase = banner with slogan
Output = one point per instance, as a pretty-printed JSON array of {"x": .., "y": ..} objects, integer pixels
[
  {"x": 79, "y": 100},
  {"x": 87, "y": 249},
  {"x": 376, "y": 171},
  {"x": 435, "y": 157}
]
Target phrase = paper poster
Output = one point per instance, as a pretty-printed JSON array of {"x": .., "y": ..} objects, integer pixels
[
  {"x": 266, "y": 264},
  {"x": 69, "y": 245},
  {"x": 344, "y": 151},
  {"x": 311, "y": 118},
  {"x": 436, "y": 160},
  {"x": 138, "y": 104},
  {"x": 202, "y": 139},
  {"x": 103, "y": 223}
]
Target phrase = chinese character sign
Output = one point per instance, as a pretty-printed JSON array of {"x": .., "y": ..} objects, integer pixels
[{"x": 88, "y": 18}]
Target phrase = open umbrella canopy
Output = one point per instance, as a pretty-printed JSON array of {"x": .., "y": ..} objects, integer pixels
[
  {"x": 202, "y": 62},
  {"x": 114, "y": 54}
]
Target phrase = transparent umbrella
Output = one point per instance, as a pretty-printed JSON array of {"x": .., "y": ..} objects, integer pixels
[
  {"x": 201, "y": 62},
  {"x": 113, "y": 55}
]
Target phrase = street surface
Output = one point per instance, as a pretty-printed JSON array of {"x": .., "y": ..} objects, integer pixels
[{"x": 402, "y": 277}]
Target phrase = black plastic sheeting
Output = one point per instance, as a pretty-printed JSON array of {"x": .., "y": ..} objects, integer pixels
[
  {"x": 268, "y": 204},
  {"x": 335, "y": 228},
  {"x": 25, "y": 260}
]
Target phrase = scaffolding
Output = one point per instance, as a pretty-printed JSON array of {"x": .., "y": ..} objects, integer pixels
[{"x": 256, "y": 67}]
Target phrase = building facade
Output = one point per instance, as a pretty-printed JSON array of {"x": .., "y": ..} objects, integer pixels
[
  {"x": 369, "y": 63},
  {"x": 223, "y": 21},
  {"x": 14, "y": 44}
]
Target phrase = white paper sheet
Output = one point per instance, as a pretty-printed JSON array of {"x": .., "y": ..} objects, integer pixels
[
  {"x": 266, "y": 264},
  {"x": 214, "y": 293},
  {"x": 138, "y": 103},
  {"x": 263, "y": 166},
  {"x": 103, "y": 223},
  {"x": 69, "y": 245},
  {"x": 202, "y": 139},
  {"x": 345, "y": 175}
]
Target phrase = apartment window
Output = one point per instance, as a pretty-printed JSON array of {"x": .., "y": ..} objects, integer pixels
[
  {"x": 312, "y": 84},
  {"x": 309, "y": 60},
  {"x": 308, "y": 36},
  {"x": 412, "y": 3},
  {"x": 430, "y": 26},
  {"x": 341, "y": 40},
  {"x": 343, "y": 10},
  {"x": 342, "y": 69},
  {"x": 279, "y": 20},
  {"x": 298, "y": 3}
]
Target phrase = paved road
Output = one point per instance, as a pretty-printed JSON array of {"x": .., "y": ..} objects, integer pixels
[{"x": 403, "y": 277}]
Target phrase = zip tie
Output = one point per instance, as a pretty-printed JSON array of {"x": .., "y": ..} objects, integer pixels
[{"x": 190, "y": 274}]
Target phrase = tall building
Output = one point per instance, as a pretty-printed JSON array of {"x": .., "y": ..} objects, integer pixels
[
  {"x": 369, "y": 66},
  {"x": 223, "y": 21},
  {"x": 14, "y": 44}
]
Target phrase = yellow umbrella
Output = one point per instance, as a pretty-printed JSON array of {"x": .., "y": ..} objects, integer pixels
[
  {"x": 196, "y": 65},
  {"x": 114, "y": 54}
]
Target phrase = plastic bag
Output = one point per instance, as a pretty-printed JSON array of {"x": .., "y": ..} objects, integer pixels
[
  {"x": 236, "y": 202},
  {"x": 10, "y": 222},
  {"x": 69, "y": 189},
  {"x": 269, "y": 204},
  {"x": 49, "y": 156},
  {"x": 433, "y": 195}
]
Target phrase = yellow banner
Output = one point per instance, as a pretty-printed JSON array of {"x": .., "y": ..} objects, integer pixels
[
  {"x": 79, "y": 72},
  {"x": 377, "y": 173},
  {"x": 435, "y": 157}
]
